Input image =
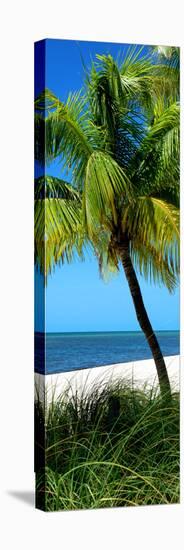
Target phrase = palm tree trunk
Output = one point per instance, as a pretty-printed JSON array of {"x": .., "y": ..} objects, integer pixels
[{"x": 143, "y": 318}]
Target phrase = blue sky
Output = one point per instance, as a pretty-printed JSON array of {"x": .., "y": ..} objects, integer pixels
[{"x": 76, "y": 298}]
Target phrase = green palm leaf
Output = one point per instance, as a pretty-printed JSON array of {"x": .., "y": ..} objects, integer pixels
[
  {"x": 155, "y": 223},
  {"x": 105, "y": 183},
  {"x": 65, "y": 132},
  {"x": 152, "y": 266},
  {"x": 57, "y": 221},
  {"x": 155, "y": 167}
]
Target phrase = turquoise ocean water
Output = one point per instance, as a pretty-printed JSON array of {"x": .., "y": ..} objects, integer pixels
[{"x": 73, "y": 351}]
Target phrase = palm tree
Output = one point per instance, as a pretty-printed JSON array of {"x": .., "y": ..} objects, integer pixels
[{"x": 119, "y": 139}]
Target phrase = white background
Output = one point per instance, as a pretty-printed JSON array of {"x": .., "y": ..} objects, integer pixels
[{"x": 23, "y": 527}]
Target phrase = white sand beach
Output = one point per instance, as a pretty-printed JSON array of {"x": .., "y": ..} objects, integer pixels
[{"x": 139, "y": 373}]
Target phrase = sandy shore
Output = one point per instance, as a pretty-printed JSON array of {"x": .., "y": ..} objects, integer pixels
[{"x": 140, "y": 373}]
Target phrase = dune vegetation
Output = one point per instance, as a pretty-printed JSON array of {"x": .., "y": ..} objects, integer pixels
[{"x": 117, "y": 447}]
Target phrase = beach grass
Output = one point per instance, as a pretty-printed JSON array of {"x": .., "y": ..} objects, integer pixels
[{"x": 114, "y": 447}]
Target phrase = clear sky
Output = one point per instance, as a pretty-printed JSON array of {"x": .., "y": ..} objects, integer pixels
[{"x": 76, "y": 298}]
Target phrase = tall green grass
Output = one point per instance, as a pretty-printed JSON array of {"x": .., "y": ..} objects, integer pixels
[{"x": 116, "y": 447}]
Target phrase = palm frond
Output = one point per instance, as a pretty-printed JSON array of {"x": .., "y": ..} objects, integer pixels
[
  {"x": 155, "y": 223},
  {"x": 165, "y": 119},
  {"x": 152, "y": 266},
  {"x": 46, "y": 101},
  {"x": 155, "y": 166},
  {"x": 67, "y": 137},
  {"x": 58, "y": 226},
  {"x": 65, "y": 131},
  {"x": 146, "y": 78},
  {"x": 109, "y": 109},
  {"x": 170, "y": 54},
  {"x": 105, "y": 183},
  {"x": 137, "y": 79},
  {"x": 53, "y": 187},
  {"x": 39, "y": 138}
]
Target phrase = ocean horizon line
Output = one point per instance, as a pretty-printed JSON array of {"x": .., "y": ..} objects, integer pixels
[{"x": 103, "y": 331}]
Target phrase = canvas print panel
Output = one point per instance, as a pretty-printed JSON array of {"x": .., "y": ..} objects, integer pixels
[{"x": 106, "y": 275}]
